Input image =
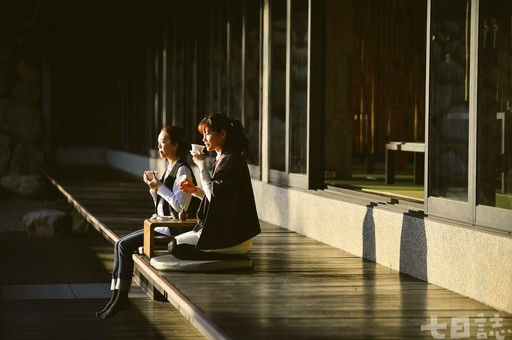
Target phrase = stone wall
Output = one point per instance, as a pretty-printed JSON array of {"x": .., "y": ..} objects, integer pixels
[{"x": 21, "y": 121}]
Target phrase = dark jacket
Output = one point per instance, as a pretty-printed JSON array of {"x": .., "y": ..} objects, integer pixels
[{"x": 230, "y": 218}]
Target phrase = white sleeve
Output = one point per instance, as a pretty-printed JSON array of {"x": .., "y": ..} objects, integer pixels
[
  {"x": 153, "y": 194},
  {"x": 206, "y": 180},
  {"x": 174, "y": 196},
  {"x": 199, "y": 193}
]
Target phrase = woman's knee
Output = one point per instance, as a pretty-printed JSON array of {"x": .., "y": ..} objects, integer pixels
[
  {"x": 122, "y": 245},
  {"x": 117, "y": 245},
  {"x": 129, "y": 244}
]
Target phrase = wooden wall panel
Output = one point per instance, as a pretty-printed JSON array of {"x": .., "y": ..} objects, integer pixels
[{"x": 389, "y": 74}]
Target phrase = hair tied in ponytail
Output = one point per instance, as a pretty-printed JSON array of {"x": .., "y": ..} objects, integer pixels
[{"x": 236, "y": 140}]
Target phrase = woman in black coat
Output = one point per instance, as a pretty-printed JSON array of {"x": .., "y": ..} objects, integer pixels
[{"x": 227, "y": 217}]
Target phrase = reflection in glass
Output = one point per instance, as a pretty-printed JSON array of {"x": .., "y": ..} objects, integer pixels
[
  {"x": 252, "y": 79},
  {"x": 298, "y": 86},
  {"x": 235, "y": 80},
  {"x": 449, "y": 99},
  {"x": 277, "y": 83},
  {"x": 494, "y": 122},
  {"x": 217, "y": 60}
]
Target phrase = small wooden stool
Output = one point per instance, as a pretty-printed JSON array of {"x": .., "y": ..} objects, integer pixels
[{"x": 149, "y": 231}]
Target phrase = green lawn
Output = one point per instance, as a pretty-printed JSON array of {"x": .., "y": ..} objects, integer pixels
[{"x": 403, "y": 188}]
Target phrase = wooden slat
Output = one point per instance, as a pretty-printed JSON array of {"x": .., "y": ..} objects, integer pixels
[{"x": 298, "y": 288}]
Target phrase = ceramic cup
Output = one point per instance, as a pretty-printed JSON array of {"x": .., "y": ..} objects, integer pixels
[
  {"x": 150, "y": 174},
  {"x": 197, "y": 148}
]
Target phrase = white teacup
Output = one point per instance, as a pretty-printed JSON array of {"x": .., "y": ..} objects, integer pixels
[
  {"x": 197, "y": 148},
  {"x": 150, "y": 174}
]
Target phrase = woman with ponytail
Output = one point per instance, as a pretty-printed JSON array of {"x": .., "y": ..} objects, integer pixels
[{"x": 227, "y": 217}]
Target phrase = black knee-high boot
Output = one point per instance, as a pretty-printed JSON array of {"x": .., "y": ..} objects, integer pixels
[
  {"x": 109, "y": 303},
  {"x": 120, "y": 303}
]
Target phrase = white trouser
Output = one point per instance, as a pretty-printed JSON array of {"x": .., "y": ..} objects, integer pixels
[{"x": 192, "y": 237}]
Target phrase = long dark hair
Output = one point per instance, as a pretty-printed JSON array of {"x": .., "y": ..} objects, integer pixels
[
  {"x": 177, "y": 136},
  {"x": 236, "y": 140}
]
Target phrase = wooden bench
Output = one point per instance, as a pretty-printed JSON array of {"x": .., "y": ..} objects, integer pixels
[
  {"x": 150, "y": 239},
  {"x": 419, "y": 160}
]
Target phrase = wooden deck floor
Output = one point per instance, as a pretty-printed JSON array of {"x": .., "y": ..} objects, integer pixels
[
  {"x": 299, "y": 288},
  {"x": 51, "y": 288}
]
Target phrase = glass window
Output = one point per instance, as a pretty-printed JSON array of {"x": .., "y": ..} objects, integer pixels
[
  {"x": 375, "y": 57},
  {"x": 235, "y": 93},
  {"x": 494, "y": 112},
  {"x": 252, "y": 52},
  {"x": 277, "y": 94},
  {"x": 298, "y": 86},
  {"x": 217, "y": 58},
  {"x": 449, "y": 100}
]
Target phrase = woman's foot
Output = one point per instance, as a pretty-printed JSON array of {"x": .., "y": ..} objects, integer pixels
[
  {"x": 121, "y": 302},
  {"x": 109, "y": 303}
]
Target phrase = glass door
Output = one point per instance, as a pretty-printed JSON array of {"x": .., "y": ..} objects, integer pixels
[
  {"x": 469, "y": 148},
  {"x": 449, "y": 108},
  {"x": 494, "y": 114},
  {"x": 289, "y": 87}
]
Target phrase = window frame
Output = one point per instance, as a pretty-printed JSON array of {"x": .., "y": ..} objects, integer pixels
[
  {"x": 492, "y": 218},
  {"x": 313, "y": 178}
]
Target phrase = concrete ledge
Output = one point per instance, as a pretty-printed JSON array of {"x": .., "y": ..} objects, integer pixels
[{"x": 461, "y": 258}]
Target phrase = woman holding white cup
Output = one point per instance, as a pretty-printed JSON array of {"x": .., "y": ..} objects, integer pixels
[
  {"x": 169, "y": 201},
  {"x": 227, "y": 218}
]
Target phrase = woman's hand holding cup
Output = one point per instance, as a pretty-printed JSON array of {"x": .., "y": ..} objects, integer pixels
[
  {"x": 151, "y": 180},
  {"x": 197, "y": 153},
  {"x": 187, "y": 186},
  {"x": 148, "y": 176}
]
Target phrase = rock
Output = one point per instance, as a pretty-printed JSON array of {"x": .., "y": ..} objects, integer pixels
[
  {"x": 29, "y": 71},
  {"x": 26, "y": 159},
  {"x": 4, "y": 105},
  {"x": 47, "y": 223},
  {"x": 22, "y": 121},
  {"x": 5, "y": 153},
  {"x": 9, "y": 50},
  {"x": 25, "y": 185},
  {"x": 7, "y": 79},
  {"x": 27, "y": 92}
]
